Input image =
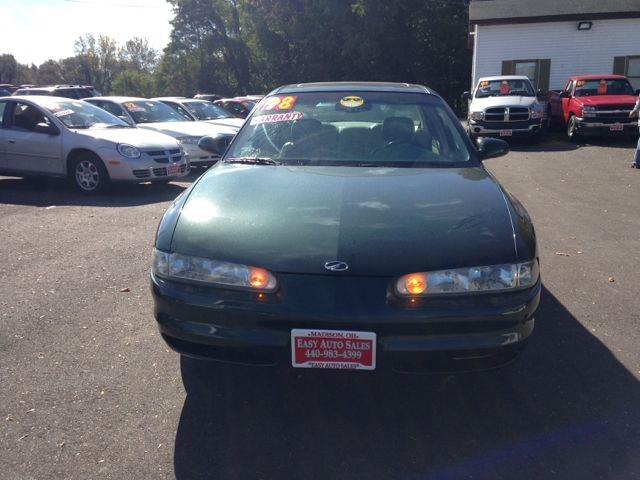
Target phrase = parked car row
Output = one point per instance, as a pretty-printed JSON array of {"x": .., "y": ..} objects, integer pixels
[
  {"x": 508, "y": 106},
  {"x": 100, "y": 140}
]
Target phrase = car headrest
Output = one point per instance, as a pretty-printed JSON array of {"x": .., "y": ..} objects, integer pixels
[
  {"x": 397, "y": 129},
  {"x": 305, "y": 127}
]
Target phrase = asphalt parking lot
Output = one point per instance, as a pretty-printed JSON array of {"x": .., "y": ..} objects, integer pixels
[{"x": 89, "y": 390}]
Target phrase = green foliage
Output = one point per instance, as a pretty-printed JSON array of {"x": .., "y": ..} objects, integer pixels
[{"x": 251, "y": 46}]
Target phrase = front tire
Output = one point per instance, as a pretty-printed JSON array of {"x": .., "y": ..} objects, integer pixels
[
  {"x": 89, "y": 175},
  {"x": 572, "y": 129}
]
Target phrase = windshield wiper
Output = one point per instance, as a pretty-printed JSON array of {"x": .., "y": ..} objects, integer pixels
[
  {"x": 78, "y": 126},
  {"x": 253, "y": 160}
]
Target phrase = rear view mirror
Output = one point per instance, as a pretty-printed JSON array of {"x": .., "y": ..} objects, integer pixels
[
  {"x": 46, "y": 128},
  {"x": 216, "y": 145},
  {"x": 491, "y": 147}
]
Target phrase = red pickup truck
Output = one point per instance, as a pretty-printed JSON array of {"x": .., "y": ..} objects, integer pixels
[{"x": 594, "y": 105}]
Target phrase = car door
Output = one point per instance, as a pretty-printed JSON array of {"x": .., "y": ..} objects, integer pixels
[
  {"x": 27, "y": 148},
  {"x": 3, "y": 140}
]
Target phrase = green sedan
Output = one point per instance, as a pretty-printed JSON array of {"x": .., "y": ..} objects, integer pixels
[{"x": 348, "y": 226}]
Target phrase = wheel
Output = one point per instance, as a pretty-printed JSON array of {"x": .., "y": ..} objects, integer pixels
[
  {"x": 88, "y": 174},
  {"x": 572, "y": 129}
]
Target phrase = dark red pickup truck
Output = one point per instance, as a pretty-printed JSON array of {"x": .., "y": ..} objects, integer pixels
[{"x": 594, "y": 105}]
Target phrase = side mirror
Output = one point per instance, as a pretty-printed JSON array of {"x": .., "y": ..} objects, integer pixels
[
  {"x": 542, "y": 95},
  {"x": 45, "y": 128},
  {"x": 216, "y": 145},
  {"x": 466, "y": 96},
  {"x": 491, "y": 147},
  {"x": 638, "y": 92},
  {"x": 565, "y": 94}
]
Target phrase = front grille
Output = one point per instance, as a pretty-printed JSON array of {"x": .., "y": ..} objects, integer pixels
[
  {"x": 165, "y": 156},
  {"x": 506, "y": 114},
  {"x": 613, "y": 113},
  {"x": 141, "y": 173}
]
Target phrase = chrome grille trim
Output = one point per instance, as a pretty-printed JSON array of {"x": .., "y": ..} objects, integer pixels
[{"x": 507, "y": 114}]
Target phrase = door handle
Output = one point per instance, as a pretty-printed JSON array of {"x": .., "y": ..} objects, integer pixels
[{"x": 12, "y": 141}]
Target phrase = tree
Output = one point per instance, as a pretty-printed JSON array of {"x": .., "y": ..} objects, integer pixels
[
  {"x": 8, "y": 68},
  {"x": 138, "y": 56},
  {"x": 98, "y": 60}
]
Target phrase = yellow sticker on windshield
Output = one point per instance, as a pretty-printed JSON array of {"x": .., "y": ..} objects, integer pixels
[{"x": 351, "y": 102}]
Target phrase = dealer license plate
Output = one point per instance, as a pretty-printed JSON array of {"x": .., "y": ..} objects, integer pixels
[
  {"x": 173, "y": 169},
  {"x": 336, "y": 349},
  {"x": 506, "y": 133},
  {"x": 616, "y": 127}
]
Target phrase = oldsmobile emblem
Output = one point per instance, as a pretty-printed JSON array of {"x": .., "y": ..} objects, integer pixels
[{"x": 336, "y": 266}]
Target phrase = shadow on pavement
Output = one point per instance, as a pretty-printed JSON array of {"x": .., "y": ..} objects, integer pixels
[
  {"x": 43, "y": 192},
  {"x": 566, "y": 409}
]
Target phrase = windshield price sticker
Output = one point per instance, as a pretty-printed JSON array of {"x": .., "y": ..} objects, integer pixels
[
  {"x": 279, "y": 103},
  {"x": 333, "y": 349},
  {"x": 276, "y": 117},
  {"x": 62, "y": 113}
]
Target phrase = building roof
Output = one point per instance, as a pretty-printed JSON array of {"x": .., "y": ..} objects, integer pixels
[
  {"x": 352, "y": 86},
  {"x": 487, "y": 12}
]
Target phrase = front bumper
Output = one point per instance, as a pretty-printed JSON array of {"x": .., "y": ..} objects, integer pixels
[
  {"x": 455, "y": 333},
  {"x": 199, "y": 157},
  {"x": 595, "y": 126},
  {"x": 142, "y": 169},
  {"x": 525, "y": 128}
]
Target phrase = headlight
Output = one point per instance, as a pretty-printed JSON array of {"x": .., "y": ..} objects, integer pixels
[
  {"x": 477, "y": 115},
  {"x": 190, "y": 140},
  {"x": 204, "y": 270},
  {"x": 469, "y": 280},
  {"x": 589, "y": 111},
  {"x": 537, "y": 111},
  {"x": 128, "y": 151}
]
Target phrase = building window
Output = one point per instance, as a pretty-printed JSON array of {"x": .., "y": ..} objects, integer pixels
[
  {"x": 630, "y": 67},
  {"x": 528, "y": 69},
  {"x": 537, "y": 70}
]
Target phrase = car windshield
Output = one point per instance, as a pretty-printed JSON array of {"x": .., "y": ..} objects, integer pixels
[
  {"x": 79, "y": 114},
  {"x": 206, "y": 110},
  {"x": 592, "y": 88},
  {"x": 504, "y": 88},
  {"x": 353, "y": 129},
  {"x": 151, "y": 111}
]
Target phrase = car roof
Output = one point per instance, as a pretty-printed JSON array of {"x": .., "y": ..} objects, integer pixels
[
  {"x": 119, "y": 99},
  {"x": 607, "y": 76},
  {"x": 41, "y": 99},
  {"x": 352, "y": 86},
  {"x": 503, "y": 77},
  {"x": 174, "y": 99}
]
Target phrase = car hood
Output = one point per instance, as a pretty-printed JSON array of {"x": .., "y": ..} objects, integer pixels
[
  {"x": 228, "y": 122},
  {"x": 381, "y": 221},
  {"x": 137, "y": 137},
  {"x": 489, "y": 102},
  {"x": 603, "y": 100},
  {"x": 180, "y": 129}
]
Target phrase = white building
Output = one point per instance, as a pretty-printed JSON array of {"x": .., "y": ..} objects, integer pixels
[{"x": 551, "y": 40}]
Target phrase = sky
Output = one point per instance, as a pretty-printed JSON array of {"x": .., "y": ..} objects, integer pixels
[{"x": 37, "y": 30}]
